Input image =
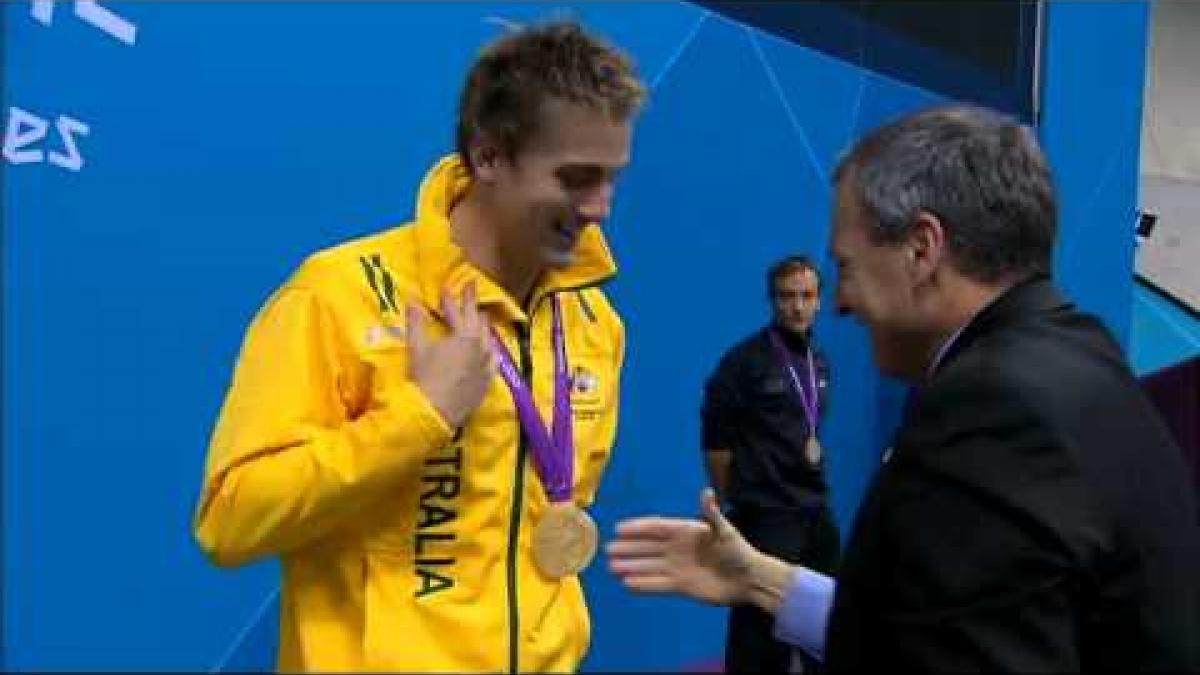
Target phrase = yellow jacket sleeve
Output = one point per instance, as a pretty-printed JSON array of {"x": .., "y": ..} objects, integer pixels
[{"x": 286, "y": 464}]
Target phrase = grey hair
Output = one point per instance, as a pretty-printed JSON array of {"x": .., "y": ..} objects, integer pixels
[{"x": 980, "y": 173}]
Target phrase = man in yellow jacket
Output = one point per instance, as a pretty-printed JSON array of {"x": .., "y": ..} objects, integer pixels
[{"x": 419, "y": 418}]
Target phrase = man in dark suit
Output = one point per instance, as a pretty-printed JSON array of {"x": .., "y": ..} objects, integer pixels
[{"x": 1033, "y": 514}]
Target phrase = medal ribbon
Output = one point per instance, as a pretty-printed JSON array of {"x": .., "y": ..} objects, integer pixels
[
  {"x": 554, "y": 449},
  {"x": 809, "y": 402}
]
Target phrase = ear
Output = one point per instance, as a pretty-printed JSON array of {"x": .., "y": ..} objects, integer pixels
[
  {"x": 926, "y": 245},
  {"x": 485, "y": 158}
]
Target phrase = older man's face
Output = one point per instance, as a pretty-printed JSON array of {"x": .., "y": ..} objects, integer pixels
[{"x": 875, "y": 286}]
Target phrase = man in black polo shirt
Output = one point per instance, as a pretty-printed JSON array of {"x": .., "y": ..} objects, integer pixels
[{"x": 762, "y": 410}]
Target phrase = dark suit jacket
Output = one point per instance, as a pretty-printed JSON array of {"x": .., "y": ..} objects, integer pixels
[{"x": 1034, "y": 515}]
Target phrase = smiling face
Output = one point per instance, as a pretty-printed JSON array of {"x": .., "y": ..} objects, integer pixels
[
  {"x": 545, "y": 122},
  {"x": 877, "y": 287},
  {"x": 937, "y": 213},
  {"x": 560, "y": 182}
]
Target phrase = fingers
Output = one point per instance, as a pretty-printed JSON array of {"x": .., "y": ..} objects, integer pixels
[
  {"x": 415, "y": 318},
  {"x": 635, "y": 548},
  {"x": 471, "y": 321},
  {"x": 640, "y": 566},
  {"x": 656, "y": 527},
  {"x": 651, "y": 583},
  {"x": 463, "y": 315},
  {"x": 465, "y": 321},
  {"x": 488, "y": 355},
  {"x": 712, "y": 514},
  {"x": 451, "y": 311}
]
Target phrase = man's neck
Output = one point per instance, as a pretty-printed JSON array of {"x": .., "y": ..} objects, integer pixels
[
  {"x": 790, "y": 337},
  {"x": 476, "y": 233},
  {"x": 960, "y": 307}
]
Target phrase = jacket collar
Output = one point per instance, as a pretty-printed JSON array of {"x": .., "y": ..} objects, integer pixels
[
  {"x": 1031, "y": 297},
  {"x": 442, "y": 264}
]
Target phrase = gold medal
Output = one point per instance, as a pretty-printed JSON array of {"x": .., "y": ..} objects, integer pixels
[
  {"x": 812, "y": 450},
  {"x": 564, "y": 540}
]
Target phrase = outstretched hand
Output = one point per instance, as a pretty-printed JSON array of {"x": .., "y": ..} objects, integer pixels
[{"x": 707, "y": 560}]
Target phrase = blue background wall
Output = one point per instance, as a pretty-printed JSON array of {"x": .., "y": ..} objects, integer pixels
[
  {"x": 1094, "y": 75},
  {"x": 231, "y": 139},
  {"x": 1162, "y": 332}
]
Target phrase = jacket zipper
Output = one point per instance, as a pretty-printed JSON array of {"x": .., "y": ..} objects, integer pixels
[
  {"x": 514, "y": 526},
  {"x": 514, "y": 523}
]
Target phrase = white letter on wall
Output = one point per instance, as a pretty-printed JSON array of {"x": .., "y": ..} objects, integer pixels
[
  {"x": 43, "y": 11},
  {"x": 67, "y": 128},
  {"x": 91, "y": 12},
  {"x": 16, "y": 138}
]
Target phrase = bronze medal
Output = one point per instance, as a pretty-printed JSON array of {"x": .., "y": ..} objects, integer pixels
[
  {"x": 810, "y": 400},
  {"x": 812, "y": 450}
]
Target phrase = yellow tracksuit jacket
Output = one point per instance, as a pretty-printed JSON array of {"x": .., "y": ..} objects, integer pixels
[{"x": 405, "y": 546}]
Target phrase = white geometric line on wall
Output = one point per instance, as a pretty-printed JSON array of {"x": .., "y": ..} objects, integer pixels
[
  {"x": 751, "y": 33},
  {"x": 864, "y": 75},
  {"x": 1114, "y": 159},
  {"x": 678, "y": 53},
  {"x": 241, "y": 635}
]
